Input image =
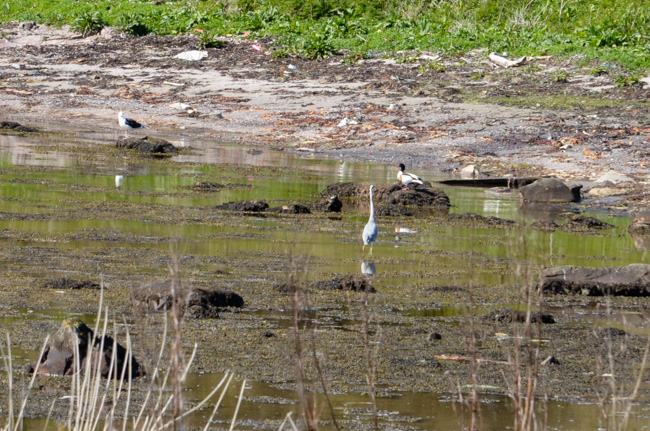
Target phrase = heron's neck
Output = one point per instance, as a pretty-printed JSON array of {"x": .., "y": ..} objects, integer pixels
[{"x": 372, "y": 208}]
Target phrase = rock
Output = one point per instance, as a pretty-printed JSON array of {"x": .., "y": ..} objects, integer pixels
[
  {"x": 330, "y": 204},
  {"x": 147, "y": 145},
  {"x": 581, "y": 223},
  {"x": 477, "y": 218},
  {"x": 392, "y": 210},
  {"x": 434, "y": 336},
  {"x": 59, "y": 354},
  {"x": 631, "y": 280},
  {"x": 248, "y": 206},
  {"x": 640, "y": 224},
  {"x": 206, "y": 186},
  {"x": 16, "y": 127},
  {"x": 419, "y": 196},
  {"x": 614, "y": 177},
  {"x": 198, "y": 303},
  {"x": 603, "y": 192},
  {"x": 515, "y": 316},
  {"x": 295, "y": 209},
  {"x": 27, "y": 25},
  {"x": 66, "y": 283},
  {"x": 550, "y": 190}
]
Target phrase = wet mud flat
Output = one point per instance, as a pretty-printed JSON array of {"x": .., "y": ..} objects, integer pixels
[{"x": 426, "y": 323}]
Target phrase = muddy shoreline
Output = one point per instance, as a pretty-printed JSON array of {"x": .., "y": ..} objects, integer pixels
[{"x": 57, "y": 79}]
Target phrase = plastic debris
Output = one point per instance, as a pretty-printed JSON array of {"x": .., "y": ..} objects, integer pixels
[
  {"x": 292, "y": 67},
  {"x": 346, "y": 122},
  {"x": 504, "y": 62},
  {"x": 256, "y": 47},
  {"x": 192, "y": 55}
]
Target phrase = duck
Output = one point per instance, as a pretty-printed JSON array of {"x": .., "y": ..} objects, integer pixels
[{"x": 407, "y": 178}]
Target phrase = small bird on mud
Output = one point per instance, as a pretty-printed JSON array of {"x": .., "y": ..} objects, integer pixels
[
  {"x": 128, "y": 124},
  {"x": 407, "y": 178},
  {"x": 370, "y": 231}
]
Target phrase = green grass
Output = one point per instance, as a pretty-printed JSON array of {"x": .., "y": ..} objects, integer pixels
[{"x": 611, "y": 30}]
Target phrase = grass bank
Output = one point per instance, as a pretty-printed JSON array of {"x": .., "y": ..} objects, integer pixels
[{"x": 605, "y": 29}]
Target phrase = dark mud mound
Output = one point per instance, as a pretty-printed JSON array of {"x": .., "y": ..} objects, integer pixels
[
  {"x": 206, "y": 186},
  {"x": 546, "y": 226},
  {"x": 198, "y": 302},
  {"x": 330, "y": 204},
  {"x": 16, "y": 127},
  {"x": 515, "y": 316},
  {"x": 582, "y": 223},
  {"x": 474, "y": 218},
  {"x": 247, "y": 206},
  {"x": 352, "y": 282},
  {"x": 631, "y": 280},
  {"x": 72, "y": 339},
  {"x": 550, "y": 190},
  {"x": 67, "y": 283},
  {"x": 392, "y": 194},
  {"x": 147, "y": 145},
  {"x": 291, "y": 209}
]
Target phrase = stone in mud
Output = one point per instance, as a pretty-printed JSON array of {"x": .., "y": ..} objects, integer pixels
[
  {"x": 631, "y": 280},
  {"x": 352, "y": 282},
  {"x": 206, "y": 186},
  {"x": 393, "y": 210},
  {"x": 294, "y": 209},
  {"x": 550, "y": 190},
  {"x": 66, "y": 283},
  {"x": 515, "y": 316},
  {"x": 580, "y": 223},
  {"x": 147, "y": 145},
  {"x": 16, "y": 127},
  {"x": 197, "y": 303},
  {"x": 477, "y": 218},
  {"x": 331, "y": 204},
  {"x": 640, "y": 224},
  {"x": 59, "y": 354},
  {"x": 248, "y": 206}
]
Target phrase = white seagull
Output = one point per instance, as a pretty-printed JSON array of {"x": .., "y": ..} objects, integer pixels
[
  {"x": 128, "y": 124},
  {"x": 407, "y": 178}
]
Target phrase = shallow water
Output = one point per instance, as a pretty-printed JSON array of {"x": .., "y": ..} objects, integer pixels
[{"x": 402, "y": 254}]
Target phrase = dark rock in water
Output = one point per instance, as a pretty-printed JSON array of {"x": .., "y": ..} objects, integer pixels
[
  {"x": 434, "y": 336},
  {"x": 205, "y": 186},
  {"x": 477, "y": 218},
  {"x": 392, "y": 210},
  {"x": 147, "y": 145},
  {"x": 198, "y": 303},
  {"x": 66, "y": 283},
  {"x": 16, "y": 127},
  {"x": 578, "y": 222},
  {"x": 59, "y": 354},
  {"x": 394, "y": 194},
  {"x": 640, "y": 224},
  {"x": 550, "y": 190},
  {"x": 353, "y": 282},
  {"x": 515, "y": 316},
  {"x": 295, "y": 209},
  {"x": 631, "y": 280},
  {"x": 250, "y": 206},
  {"x": 330, "y": 204}
]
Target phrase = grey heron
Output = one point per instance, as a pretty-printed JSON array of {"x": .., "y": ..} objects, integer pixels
[{"x": 370, "y": 231}]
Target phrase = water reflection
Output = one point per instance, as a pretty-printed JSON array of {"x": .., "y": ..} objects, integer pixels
[{"x": 368, "y": 268}]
